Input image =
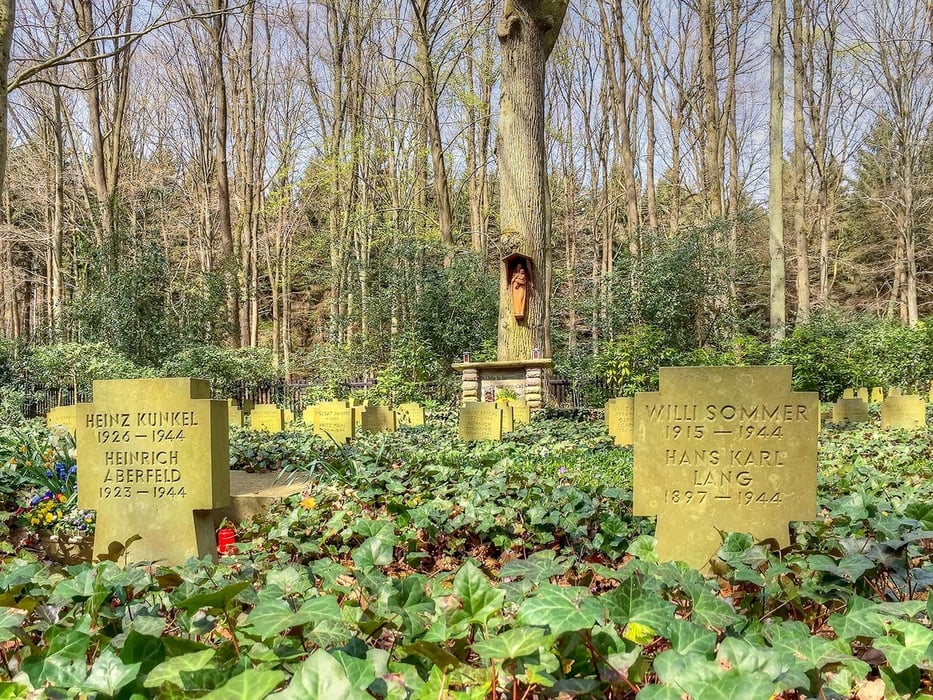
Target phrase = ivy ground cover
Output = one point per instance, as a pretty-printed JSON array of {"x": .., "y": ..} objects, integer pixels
[{"x": 417, "y": 566}]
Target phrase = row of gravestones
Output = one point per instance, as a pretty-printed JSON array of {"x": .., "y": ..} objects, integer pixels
[
  {"x": 716, "y": 449},
  {"x": 340, "y": 420},
  {"x": 486, "y": 420}
]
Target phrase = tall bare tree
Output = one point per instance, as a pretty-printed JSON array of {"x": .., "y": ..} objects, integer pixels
[{"x": 527, "y": 31}]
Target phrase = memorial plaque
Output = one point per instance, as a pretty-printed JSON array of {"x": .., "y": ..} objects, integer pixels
[
  {"x": 267, "y": 416},
  {"x": 309, "y": 415},
  {"x": 850, "y": 411},
  {"x": 848, "y": 393},
  {"x": 155, "y": 459},
  {"x": 410, "y": 414},
  {"x": 521, "y": 413},
  {"x": 620, "y": 420},
  {"x": 877, "y": 395},
  {"x": 234, "y": 414},
  {"x": 378, "y": 419},
  {"x": 862, "y": 393},
  {"x": 480, "y": 420},
  {"x": 335, "y": 422},
  {"x": 906, "y": 411},
  {"x": 729, "y": 449},
  {"x": 65, "y": 416}
]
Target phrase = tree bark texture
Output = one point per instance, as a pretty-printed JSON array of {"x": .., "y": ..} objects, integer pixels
[
  {"x": 776, "y": 174},
  {"x": 527, "y": 31}
]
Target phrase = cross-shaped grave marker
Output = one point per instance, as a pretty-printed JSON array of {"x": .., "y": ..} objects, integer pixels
[
  {"x": 153, "y": 461},
  {"x": 728, "y": 449}
]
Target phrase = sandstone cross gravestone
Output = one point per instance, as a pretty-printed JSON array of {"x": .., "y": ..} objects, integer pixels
[
  {"x": 410, "y": 414},
  {"x": 521, "y": 413},
  {"x": 267, "y": 416},
  {"x": 729, "y": 449},
  {"x": 862, "y": 393},
  {"x": 620, "y": 420},
  {"x": 65, "y": 416},
  {"x": 480, "y": 420},
  {"x": 848, "y": 393},
  {"x": 905, "y": 411},
  {"x": 850, "y": 411},
  {"x": 876, "y": 395},
  {"x": 335, "y": 421},
  {"x": 378, "y": 419},
  {"x": 155, "y": 460}
]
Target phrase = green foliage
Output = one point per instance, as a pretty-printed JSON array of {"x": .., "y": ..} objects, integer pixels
[
  {"x": 820, "y": 354},
  {"x": 631, "y": 362},
  {"x": 224, "y": 368},
  {"x": 419, "y": 566},
  {"x": 76, "y": 365}
]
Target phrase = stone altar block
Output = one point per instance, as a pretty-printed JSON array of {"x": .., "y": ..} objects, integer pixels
[
  {"x": 724, "y": 448},
  {"x": 154, "y": 461},
  {"x": 527, "y": 378}
]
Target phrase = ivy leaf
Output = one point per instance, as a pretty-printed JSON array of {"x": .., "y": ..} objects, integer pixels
[
  {"x": 713, "y": 611},
  {"x": 562, "y": 609},
  {"x": 631, "y": 602},
  {"x": 539, "y": 567},
  {"x": 478, "y": 598},
  {"x": 687, "y": 637},
  {"x": 375, "y": 551},
  {"x": 321, "y": 677},
  {"x": 854, "y": 565},
  {"x": 251, "y": 683},
  {"x": 109, "y": 674},
  {"x": 170, "y": 670},
  {"x": 412, "y": 603},
  {"x": 864, "y": 622},
  {"x": 916, "y": 649},
  {"x": 10, "y": 619},
  {"x": 271, "y": 617},
  {"x": 214, "y": 600},
  {"x": 659, "y": 692},
  {"x": 514, "y": 643},
  {"x": 360, "y": 672},
  {"x": 734, "y": 685}
]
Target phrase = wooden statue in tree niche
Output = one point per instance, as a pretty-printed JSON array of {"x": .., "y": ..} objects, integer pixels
[{"x": 518, "y": 284}]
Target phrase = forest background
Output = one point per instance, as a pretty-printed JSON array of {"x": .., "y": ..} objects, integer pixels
[{"x": 309, "y": 189}]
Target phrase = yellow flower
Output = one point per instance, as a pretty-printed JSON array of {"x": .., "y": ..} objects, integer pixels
[
  {"x": 28, "y": 463},
  {"x": 49, "y": 517},
  {"x": 308, "y": 503}
]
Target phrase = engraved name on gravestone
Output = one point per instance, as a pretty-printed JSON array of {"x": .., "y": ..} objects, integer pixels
[
  {"x": 335, "y": 421},
  {"x": 155, "y": 459},
  {"x": 378, "y": 419},
  {"x": 850, "y": 411},
  {"x": 65, "y": 416},
  {"x": 267, "y": 416},
  {"x": 620, "y": 420},
  {"x": 480, "y": 420},
  {"x": 729, "y": 449},
  {"x": 521, "y": 413},
  {"x": 410, "y": 414},
  {"x": 905, "y": 411}
]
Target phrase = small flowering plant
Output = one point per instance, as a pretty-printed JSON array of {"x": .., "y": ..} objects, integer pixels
[{"x": 43, "y": 464}]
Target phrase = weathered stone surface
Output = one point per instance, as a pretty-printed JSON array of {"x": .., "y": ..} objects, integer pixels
[
  {"x": 876, "y": 395},
  {"x": 862, "y": 393},
  {"x": 309, "y": 415},
  {"x": 378, "y": 419},
  {"x": 906, "y": 411},
  {"x": 480, "y": 420},
  {"x": 267, "y": 416},
  {"x": 410, "y": 414},
  {"x": 850, "y": 411},
  {"x": 729, "y": 449},
  {"x": 521, "y": 412},
  {"x": 848, "y": 393},
  {"x": 620, "y": 420},
  {"x": 65, "y": 416},
  {"x": 154, "y": 456},
  {"x": 336, "y": 422}
]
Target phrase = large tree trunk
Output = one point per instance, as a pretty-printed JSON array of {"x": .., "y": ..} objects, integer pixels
[
  {"x": 7, "y": 16},
  {"x": 527, "y": 31},
  {"x": 775, "y": 174},
  {"x": 799, "y": 189}
]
